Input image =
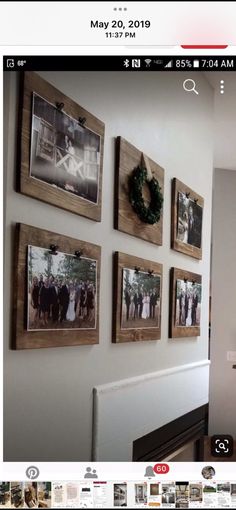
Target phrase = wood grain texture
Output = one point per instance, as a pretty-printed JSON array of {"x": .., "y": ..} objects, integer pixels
[
  {"x": 176, "y": 244},
  {"x": 120, "y": 261},
  {"x": 23, "y": 339},
  {"x": 180, "y": 331},
  {"x": 35, "y": 188},
  {"x": 129, "y": 157}
]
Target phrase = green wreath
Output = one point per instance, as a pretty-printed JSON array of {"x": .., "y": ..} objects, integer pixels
[{"x": 152, "y": 213}]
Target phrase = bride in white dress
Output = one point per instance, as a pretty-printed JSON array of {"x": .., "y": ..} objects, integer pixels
[
  {"x": 189, "y": 316},
  {"x": 70, "y": 316},
  {"x": 146, "y": 306}
]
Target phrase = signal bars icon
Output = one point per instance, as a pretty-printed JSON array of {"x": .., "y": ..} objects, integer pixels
[{"x": 169, "y": 64}]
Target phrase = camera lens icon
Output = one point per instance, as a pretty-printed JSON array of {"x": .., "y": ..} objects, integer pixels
[{"x": 222, "y": 445}]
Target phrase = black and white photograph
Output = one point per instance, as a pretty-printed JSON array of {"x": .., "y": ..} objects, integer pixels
[
  {"x": 189, "y": 225},
  {"x": 140, "y": 299},
  {"x": 188, "y": 303},
  {"x": 168, "y": 494},
  {"x": 140, "y": 493},
  {"x": 120, "y": 494},
  {"x": 64, "y": 154},
  {"x": 61, "y": 290}
]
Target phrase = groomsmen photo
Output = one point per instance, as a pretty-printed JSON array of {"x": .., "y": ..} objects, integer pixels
[{"x": 140, "y": 299}]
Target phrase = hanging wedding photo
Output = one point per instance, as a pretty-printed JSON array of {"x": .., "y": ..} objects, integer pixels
[
  {"x": 140, "y": 299},
  {"x": 186, "y": 220},
  {"x": 64, "y": 154},
  {"x": 61, "y": 290},
  {"x": 137, "y": 297},
  {"x": 56, "y": 290},
  {"x": 189, "y": 228},
  {"x": 61, "y": 147},
  {"x": 188, "y": 303},
  {"x": 185, "y": 303}
]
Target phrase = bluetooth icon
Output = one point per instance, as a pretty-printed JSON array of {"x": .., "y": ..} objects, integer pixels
[{"x": 126, "y": 63}]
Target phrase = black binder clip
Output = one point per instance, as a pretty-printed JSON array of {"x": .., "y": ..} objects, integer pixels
[
  {"x": 136, "y": 269},
  {"x": 53, "y": 249},
  {"x": 59, "y": 106},
  {"x": 78, "y": 254},
  {"x": 81, "y": 121}
]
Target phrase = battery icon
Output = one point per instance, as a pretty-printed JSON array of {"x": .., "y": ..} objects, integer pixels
[{"x": 196, "y": 63}]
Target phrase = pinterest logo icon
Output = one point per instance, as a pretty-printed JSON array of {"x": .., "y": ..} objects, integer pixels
[{"x": 161, "y": 468}]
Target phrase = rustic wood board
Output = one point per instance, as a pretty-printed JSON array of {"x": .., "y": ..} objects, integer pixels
[
  {"x": 180, "y": 331},
  {"x": 120, "y": 261},
  {"x": 23, "y": 339},
  {"x": 126, "y": 220},
  {"x": 36, "y": 188},
  {"x": 177, "y": 244}
]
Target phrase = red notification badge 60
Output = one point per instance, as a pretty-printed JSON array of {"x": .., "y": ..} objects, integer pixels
[{"x": 161, "y": 468}]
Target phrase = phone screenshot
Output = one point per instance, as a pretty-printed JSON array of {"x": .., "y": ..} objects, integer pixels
[{"x": 118, "y": 230}]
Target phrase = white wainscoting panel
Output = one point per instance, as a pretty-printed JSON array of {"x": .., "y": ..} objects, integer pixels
[{"x": 128, "y": 409}]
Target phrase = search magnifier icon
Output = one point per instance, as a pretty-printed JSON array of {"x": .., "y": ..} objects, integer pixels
[{"x": 189, "y": 85}]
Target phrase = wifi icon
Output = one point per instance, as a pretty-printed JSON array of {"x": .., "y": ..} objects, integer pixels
[{"x": 148, "y": 62}]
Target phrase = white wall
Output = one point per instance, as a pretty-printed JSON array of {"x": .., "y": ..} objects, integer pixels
[
  {"x": 223, "y": 317},
  {"x": 48, "y": 392},
  {"x": 113, "y": 437}
]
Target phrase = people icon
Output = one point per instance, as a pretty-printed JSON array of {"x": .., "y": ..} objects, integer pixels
[{"x": 90, "y": 473}]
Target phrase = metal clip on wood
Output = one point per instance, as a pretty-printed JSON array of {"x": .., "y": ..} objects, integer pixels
[
  {"x": 59, "y": 106},
  {"x": 53, "y": 249},
  {"x": 81, "y": 121},
  {"x": 78, "y": 254},
  {"x": 187, "y": 195},
  {"x": 136, "y": 269},
  {"x": 150, "y": 272}
]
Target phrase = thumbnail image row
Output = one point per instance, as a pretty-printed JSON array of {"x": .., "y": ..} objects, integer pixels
[
  {"x": 90, "y": 494},
  {"x": 58, "y": 289}
]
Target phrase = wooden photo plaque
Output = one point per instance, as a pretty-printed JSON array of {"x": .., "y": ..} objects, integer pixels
[
  {"x": 61, "y": 149},
  {"x": 126, "y": 220},
  {"x": 186, "y": 220},
  {"x": 137, "y": 297},
  {"x": 185, "y": 303},
  {"x": 56, "y": 290}
]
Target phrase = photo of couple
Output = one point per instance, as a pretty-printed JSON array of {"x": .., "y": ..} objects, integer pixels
[
  {"x": 189, "y": 228},
  {"x": 64, "y": 153},
  {"x": 140, "y": 299},
  {"x": 188, "y": 303},
  {"x": 61, "y": 290}
]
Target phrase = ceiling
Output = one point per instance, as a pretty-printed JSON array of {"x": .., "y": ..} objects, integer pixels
[{"x": 225, "y": 119}]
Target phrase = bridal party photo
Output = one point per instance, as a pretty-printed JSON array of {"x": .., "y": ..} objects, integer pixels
[
  {"x": 140, "y": 299},
  {"x": 188, "y": 303},
  {"x": 61, "y": 290}
]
